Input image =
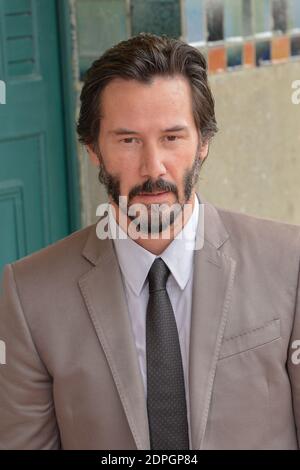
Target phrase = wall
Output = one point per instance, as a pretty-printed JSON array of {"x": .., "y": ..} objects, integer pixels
[{"x": 254, "y": 161}]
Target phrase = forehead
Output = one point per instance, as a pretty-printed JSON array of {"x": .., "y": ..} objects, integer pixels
[{"x": 164, "y": 99}]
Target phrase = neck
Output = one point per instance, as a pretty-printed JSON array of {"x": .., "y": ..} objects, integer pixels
[{"x": 162, "y": 240}]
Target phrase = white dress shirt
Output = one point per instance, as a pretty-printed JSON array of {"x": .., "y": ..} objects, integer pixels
[{"x": 135, "y": 262}]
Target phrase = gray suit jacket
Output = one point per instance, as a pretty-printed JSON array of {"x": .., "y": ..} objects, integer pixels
[{"x": 72, "y": 379}]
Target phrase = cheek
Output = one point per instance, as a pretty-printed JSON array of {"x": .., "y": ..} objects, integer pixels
[
  {"x": 118, "y": 163},
  {"x": 127, "y": 171},
  {"x": 178, "y": 165}
]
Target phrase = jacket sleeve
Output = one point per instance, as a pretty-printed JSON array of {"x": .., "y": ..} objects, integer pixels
[
  {"x": 293, "y": 363},
  {"x": 27, "y": 414}
]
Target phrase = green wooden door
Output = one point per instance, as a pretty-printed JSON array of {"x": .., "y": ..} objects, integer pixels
[{"x": 33, "y": 180}]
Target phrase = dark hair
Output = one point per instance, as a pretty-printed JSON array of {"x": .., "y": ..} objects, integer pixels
[{"x": 141, "y": 58}]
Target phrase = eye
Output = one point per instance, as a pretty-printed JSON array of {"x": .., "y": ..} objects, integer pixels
[
  {"x": 172, "y": 138},
  {"x": 128, "y": 140}
]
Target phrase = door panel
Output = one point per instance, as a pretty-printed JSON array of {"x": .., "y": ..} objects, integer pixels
[{"x": 33, "y": 178}]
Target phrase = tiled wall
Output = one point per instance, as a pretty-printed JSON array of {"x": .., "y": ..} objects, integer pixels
[
  {"x": 244, "y": 33},
  {"x": 231, "y": 33}
]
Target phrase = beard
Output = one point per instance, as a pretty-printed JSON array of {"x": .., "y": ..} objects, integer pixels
[{"x": 159, "y": 217}]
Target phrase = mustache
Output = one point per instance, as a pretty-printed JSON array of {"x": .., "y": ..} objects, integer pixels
[{"x": 150, "y": 187}]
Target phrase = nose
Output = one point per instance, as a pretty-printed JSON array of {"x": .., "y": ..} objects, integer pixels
[{"x": 152, "y": 165}]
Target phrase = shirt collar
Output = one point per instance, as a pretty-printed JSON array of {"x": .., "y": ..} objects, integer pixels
[{"x": 135, "y": 261}]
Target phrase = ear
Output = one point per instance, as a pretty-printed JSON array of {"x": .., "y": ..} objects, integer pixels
[{"x": 92, "y": 154}]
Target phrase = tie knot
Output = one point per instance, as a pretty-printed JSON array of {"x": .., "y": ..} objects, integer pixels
[{"x": 158, "y": 275}]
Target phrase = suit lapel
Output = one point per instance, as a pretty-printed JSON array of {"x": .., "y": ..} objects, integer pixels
[
  {"x": 104, "y": 295},
  {"x": 212, "y": 287}
]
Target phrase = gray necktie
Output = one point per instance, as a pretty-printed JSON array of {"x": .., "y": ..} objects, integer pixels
[{"x": 166, "y": 402}]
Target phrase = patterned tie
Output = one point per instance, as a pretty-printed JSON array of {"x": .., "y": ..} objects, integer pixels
[{"x": 166, "y": 402}]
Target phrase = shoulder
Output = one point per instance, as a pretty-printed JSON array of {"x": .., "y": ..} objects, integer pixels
[
  {"x": 266, "y": 246},
  {"x": 58, "y": 260},
  {"x": 245, "y": 228},
  {"x": 265, "y": 251}
]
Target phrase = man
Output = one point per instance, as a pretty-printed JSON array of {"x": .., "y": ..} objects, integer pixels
[{"x": 185, "y": 341}]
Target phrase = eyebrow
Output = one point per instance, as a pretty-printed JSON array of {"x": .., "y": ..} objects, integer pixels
[{"x": 124, "y": 131}]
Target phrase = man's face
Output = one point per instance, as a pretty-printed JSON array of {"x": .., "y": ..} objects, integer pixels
[{"x": 149, "y": 144}]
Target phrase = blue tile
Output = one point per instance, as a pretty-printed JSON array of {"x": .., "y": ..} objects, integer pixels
[
  {"x": 194, "y": 17},
  {"x": 233, "y": 15},
  {"x": 99, "y": 26},
  {"x": 262, "y": 16},
  {"x": 247, "y": 18},
  {"x": 263, "y": 52},
  {"x": 295, "y": 46},
  {"x": 294, "y": 14},
  {"x": 156, "y": 16},
  {"x": 234, "y": 56}
]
